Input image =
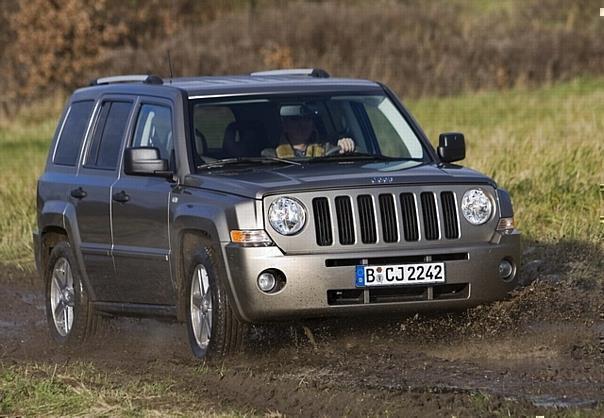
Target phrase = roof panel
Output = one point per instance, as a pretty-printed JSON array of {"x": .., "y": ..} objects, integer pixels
[
  {"x": 200, "y": 86},
  {"x": 250, "y": 85}
]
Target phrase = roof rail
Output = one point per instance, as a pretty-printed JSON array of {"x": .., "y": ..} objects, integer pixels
[
  {"x": 147, "y": 79},
  {"x": 311, "y": 72}
]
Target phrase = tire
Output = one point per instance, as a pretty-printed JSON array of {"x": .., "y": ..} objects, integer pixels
[
  {"x": 71, "y": 318},
  {"x": 213, "y": 329}
]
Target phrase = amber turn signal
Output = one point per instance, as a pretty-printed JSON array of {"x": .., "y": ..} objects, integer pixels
[{"x": 251, "y": 237}]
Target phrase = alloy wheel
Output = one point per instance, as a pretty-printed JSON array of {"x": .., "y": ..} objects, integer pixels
[
  {"x": 201, "y": 307},
  {"x": 62, "y": 296}
]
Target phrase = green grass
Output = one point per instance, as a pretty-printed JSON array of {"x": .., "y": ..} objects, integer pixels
[
  {"x": 24, "y": 142},
  {"x": 80, "y": 389},
  {"x": 544, "y": 145}
]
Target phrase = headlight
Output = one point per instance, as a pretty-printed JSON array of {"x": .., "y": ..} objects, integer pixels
[
  {"x": 287, "y": 216},
  {"x": 476, "y": 206}
]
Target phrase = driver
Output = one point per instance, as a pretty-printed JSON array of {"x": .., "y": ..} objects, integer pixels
[{"x": 300, "y": 139}]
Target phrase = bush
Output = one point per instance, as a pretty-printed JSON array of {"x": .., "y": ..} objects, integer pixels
[
  {"x": 50, "y": 46},
  {"x": 58, "y": 43}
]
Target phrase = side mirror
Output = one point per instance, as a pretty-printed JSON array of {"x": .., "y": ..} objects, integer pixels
[
  {"x": 451, "y": 147},
  {"x": 145, "y": 161}
]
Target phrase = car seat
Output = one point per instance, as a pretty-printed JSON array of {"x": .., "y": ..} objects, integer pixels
[{"x": 244, "y": 139}]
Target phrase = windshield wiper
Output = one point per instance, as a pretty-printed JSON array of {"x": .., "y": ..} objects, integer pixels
[{"x": 246, "y": 160}]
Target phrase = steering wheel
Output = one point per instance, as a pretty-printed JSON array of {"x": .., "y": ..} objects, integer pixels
[{"x": 336, "y": 149}]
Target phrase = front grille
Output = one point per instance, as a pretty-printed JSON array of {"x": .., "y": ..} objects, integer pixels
[
  {"x": 409, "y": 217},
  {"x": 386, "y": 218},
  {"x": 320, "y": 208},
  {"x": 400, "y": 259},
  {"x": 388, "y": 213},
  {"x": 430, "y": 216},
  {"x": 367, "y": 219},
  {"x": 447, "y": 200},
  {"x": 398, "y": 294},
  {"x": 345, "y": 220},
  {"x": 345, "y": 297}
]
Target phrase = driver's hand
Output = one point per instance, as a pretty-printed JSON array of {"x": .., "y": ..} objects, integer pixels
[{"x": 346, "y": 145}]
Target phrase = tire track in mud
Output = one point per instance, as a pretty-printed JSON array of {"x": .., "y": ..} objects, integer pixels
[{"x": 319, "y": 393}]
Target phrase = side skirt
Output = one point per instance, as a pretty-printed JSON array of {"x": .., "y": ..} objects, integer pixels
[{"x": 135, "y": 309}]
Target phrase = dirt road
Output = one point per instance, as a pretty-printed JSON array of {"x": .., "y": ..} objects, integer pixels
[{"x": 536, "y": 353}]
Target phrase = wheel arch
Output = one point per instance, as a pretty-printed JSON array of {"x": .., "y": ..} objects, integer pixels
[
  {"x": 50, "y": 237},
  {"x": 189, "y": 240},
  {"x": 57, "y": 221}
]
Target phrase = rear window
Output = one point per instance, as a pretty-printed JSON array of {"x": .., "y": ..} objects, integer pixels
[
  {"x": 108, "y": 135},
  {"x": 72, "y": 134},
  {"x": 210, "y": 125}
]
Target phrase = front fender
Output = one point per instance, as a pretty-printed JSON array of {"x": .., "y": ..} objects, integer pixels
[
  {"x": 505, "y": 203},
  {"x": 212, "y": 216}
]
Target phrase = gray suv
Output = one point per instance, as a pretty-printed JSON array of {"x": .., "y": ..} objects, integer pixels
[{"x": 225, "y": 201}]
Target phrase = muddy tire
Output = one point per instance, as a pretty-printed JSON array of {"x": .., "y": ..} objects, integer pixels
[
  {"x": 213, "y": 329},
  {"x": 71, "y": 318}
]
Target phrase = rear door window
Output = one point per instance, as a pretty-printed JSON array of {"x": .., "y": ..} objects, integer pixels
[
  {"x": 109, "y": 132},
  {"x": 72, "y": 134}
]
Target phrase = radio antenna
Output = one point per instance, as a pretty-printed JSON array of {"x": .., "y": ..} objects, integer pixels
[{"x": 170, "y": 65}]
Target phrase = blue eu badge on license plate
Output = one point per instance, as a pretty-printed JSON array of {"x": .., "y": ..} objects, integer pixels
[{"x": 360, "y": 277}]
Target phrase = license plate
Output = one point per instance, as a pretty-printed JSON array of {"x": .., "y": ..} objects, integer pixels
[{"x": 403, "y": 274}]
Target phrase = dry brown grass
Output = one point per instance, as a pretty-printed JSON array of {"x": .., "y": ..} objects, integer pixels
[{"x": 419, "y": 48}]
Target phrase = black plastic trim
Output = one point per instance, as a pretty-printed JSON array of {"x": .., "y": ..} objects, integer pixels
[{"x": 135, "y": 309}]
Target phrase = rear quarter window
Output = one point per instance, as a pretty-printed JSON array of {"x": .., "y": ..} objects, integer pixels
[
  {"x": 109, "y": 133},
  {"x": 73, "y": 132}
]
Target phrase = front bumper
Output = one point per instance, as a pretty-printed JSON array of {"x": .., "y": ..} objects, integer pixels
[{"x": 312, "y": 288}]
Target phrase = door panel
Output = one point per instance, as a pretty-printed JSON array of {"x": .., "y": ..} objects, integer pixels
[
  {"x": 95, "y": 230},
  {"x": 141, "y": 242},
  {"x": 91, "y": 195},
  {"x": 141, "y": 247}
]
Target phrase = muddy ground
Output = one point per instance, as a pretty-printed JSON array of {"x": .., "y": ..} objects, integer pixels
[{"x": 538, "y": 353}]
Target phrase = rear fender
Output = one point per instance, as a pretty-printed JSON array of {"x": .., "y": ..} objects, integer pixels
[{"x": 62, "y": 215}]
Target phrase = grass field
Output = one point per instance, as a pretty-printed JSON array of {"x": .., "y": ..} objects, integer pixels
[
  {"x": 545, "y": 146},
  {"x": 81, "y": 389}
]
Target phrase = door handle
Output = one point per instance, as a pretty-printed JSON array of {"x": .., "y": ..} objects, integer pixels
[
  {"x": 121, "y": 197},
  {"x": 79, "y": 193}
]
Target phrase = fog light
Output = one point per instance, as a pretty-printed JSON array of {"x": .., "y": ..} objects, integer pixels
[
  {"x": 266, "y": 282},
  {"x": 506, "y": 269}
]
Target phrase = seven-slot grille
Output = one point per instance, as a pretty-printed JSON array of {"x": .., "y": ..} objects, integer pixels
[{"x": 377, "y": 216}]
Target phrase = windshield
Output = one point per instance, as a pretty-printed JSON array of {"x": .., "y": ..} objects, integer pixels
[{"x": 302, "y": 129}]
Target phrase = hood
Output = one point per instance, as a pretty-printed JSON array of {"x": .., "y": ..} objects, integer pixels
[{"x": 256, "y": 182}]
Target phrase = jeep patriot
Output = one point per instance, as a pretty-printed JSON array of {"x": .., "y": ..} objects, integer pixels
[{"x": 284, "y": 194}]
